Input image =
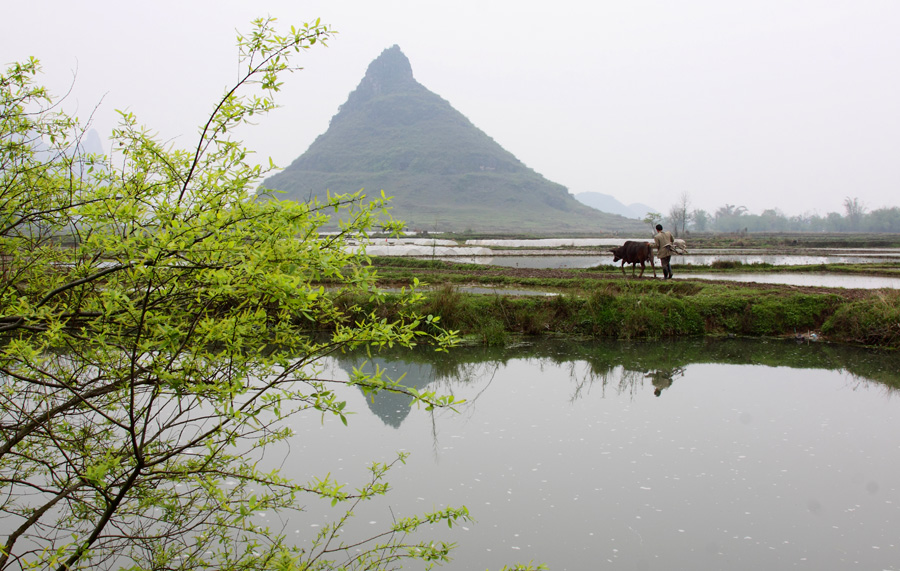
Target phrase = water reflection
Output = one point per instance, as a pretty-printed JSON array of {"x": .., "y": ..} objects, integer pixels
[
  {"x": 817, "y": 279},
  {"x": 663, "y": 378},
  {"x": 393, "y": 408},
  {"x": 756, "y": 455},
  {"x": 620, "y": 367}
]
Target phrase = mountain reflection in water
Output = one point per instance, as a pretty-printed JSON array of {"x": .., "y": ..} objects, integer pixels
[
  {"x": 762, "y": 454},
  {"x": 618, "y": 365}
]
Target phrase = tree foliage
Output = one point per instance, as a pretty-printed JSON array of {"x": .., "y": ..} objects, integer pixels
[
  {"x": 652, "y": 219},
  {"x": 731, "y": 218},
  {"x": 855, "y": 211},
  {"x": 158, "y": 323},
  {"x": 680, "y": 214}
]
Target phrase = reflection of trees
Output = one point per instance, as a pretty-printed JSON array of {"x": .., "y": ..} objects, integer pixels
[
  {"x": 618, "y": 379},
  {"x": 623, "y": 367}
]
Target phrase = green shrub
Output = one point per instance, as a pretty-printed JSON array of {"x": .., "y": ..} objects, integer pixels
[
  {"x": 726, "y": 264},
  {"x": 872, "y": 321}
]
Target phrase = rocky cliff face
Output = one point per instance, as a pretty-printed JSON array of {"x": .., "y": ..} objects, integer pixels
[
  {"x": 391, "y": 72},
  {"x": 443, "y": 173}
]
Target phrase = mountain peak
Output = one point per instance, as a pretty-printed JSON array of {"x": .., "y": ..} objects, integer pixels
[
  {"x": 388, "y": 73},
  {"x": 393, "y": 134}
]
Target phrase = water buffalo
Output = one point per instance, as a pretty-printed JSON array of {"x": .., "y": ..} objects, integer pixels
[{"x": 634, "y": 253}]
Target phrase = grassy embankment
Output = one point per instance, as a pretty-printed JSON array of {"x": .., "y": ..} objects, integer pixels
[{"x": 596, "y": 304}]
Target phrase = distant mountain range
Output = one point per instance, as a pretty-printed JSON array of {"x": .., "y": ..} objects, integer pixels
[
  {"x": 89, "y": 144},
  {"x": 443, "y": 173},
  {"x": 608, "y": 203}
]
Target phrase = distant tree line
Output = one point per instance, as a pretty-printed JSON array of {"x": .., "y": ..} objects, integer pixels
[{"x": 732, "y": 218}]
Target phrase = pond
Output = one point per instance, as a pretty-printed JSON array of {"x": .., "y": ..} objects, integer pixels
[{"x": 696, "y": 454}]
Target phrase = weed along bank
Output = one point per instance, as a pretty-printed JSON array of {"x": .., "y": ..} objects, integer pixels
[{"x": 595, "y": 304}]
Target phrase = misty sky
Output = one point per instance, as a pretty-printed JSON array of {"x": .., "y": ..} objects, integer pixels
[{"x": 766, "y": 104}]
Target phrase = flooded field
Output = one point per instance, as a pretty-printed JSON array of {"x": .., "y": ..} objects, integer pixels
[
  {"x": 591, "y": 260},
  {"x": 707, "y": 257},
  {"x": 591, "y": 253},
  {"x": 551, "y": 242},
  {"x": 787, "y": 278},
  {"x": 682, "y": 455},
  {"x": 797, "y": 279}
]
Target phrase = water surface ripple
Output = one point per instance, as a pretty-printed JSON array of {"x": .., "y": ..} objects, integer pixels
[{"x": 696, "y": 454}]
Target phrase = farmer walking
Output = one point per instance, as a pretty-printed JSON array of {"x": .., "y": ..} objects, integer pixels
[{"x": 665, "y": 245}]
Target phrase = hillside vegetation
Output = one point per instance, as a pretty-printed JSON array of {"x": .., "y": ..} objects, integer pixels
[{"x": 443, "y": 173}]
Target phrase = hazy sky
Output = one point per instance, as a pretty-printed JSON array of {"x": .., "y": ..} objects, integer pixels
[{"x": 766, "y": 103}]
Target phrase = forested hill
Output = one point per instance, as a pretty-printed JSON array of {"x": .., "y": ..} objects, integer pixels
[{"x": 443, "y": 173}]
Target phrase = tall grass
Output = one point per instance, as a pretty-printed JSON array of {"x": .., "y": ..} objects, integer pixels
[
  {"x": 623, "y": 310},
  {"x": 873, "y": 321},
  {"x": 653, "y": 309}
]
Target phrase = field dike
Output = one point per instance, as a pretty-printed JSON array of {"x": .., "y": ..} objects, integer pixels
[{"x": 656, "y": 309}]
